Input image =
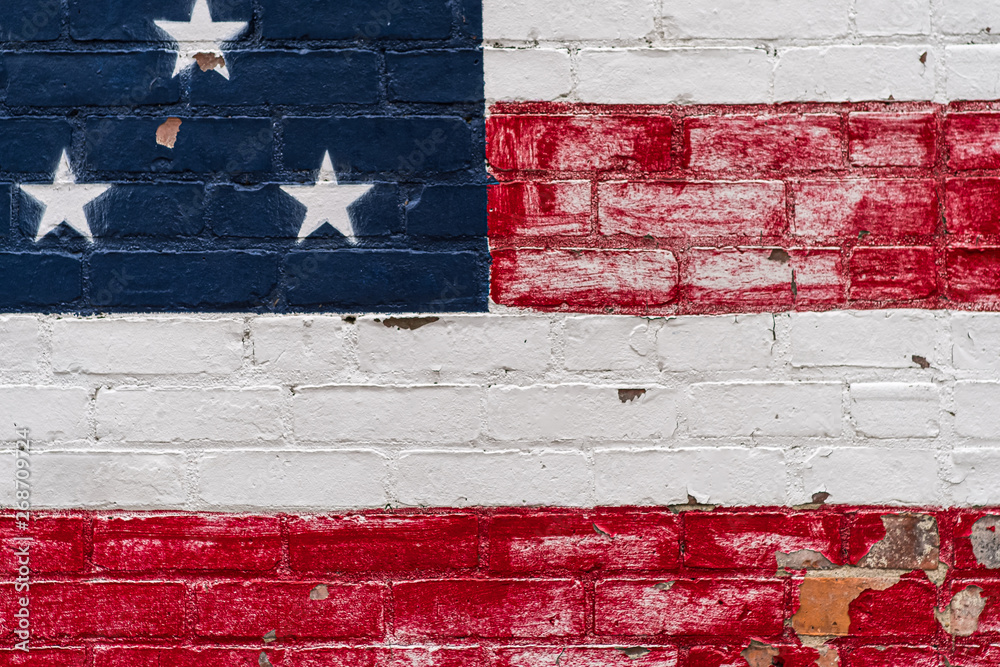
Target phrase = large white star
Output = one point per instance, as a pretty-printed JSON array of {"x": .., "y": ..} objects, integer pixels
[
  {"x": 200, "y": 39},
  {"x": 327, "y": 201},
  {"x": 64, "y": 200}
]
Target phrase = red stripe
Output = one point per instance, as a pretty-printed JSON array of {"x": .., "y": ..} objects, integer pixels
[{"x": 751, "y": 208}]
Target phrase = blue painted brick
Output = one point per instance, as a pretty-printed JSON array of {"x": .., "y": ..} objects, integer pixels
[
  {"x": 132, "y": 20},
  {"x": 392, "y": 280},
  {"x": 203, "y": 146},
  {"x": 436, "y": 76},
  {"x": 356, "y": 19},
  {"x": 150, "y": 211},
  {"x": 227, "y": 280},
  {"x": 408, "y": 147},
  {"x": 30, "y": 20},
  {"x": 31, "y": 279},
  {"x": 91, "y": 79},
  {"x": 32, "y": 144},
  {"x": 448, "y": 211},
  {"x": 470, "y": 19},
  {"x": 5, "y": 210},
  {"x": 313, "y": 78}
]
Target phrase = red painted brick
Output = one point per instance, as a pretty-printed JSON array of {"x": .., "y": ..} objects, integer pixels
[
  {"x": 787, "y": 656},
  {"x": 361, "y": 543},
  {"x": 583, "y": 542},
  {"x": 540, "y": 209},
  {"x": 500, "y": 608},
  {"x": 250, "y": 657},
  {"x": 892, "y": 139},
  {"x": 904, "y": 610},
  {"x": 43, "y": 657},
  {"x": 974, "y": 274},
  {"x": 579, "y": 143},
  {"x": 973, "y": 206},
  {"x": 170, "y": 543},
  {"x": 976, "y": 656},
  {"x": 625, "y": 656},
  {"x": 250, "y": 609},
  {"x": 886, "y": 274},
  {"x": 762, "y": 277},
  {"x": 964, "y": 553},
  {"x": 709, "y": 607},
  {"x": 594, "y": 279},
  {"x": 112, "y": 610},
  {"x": 892, "y": 656},
  {"x": 867, "y": 528},
  {"x": 989, "y": 620},
  {"x": 677, "y": 209},
  {"x": 57, "y": 545},
  {"x": 724, "y": 541},
  {"x": 832, "y": 209},
  {"x": 768, "y": 143},
  {"x": 973, "y": 140}
]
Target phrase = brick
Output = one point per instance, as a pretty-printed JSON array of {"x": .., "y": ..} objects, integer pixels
[
  {"x": 505, "y": 478},
  {"x": 975, "y": 534},
  {"x": 102, "y": 610},
  {"x": 743, "y": 19},
  {"x": 149, "y": 346},
  {"x": 723, "y": 541},
  {"x": 882, "y": 208},
  {"x": 973, "y": 415},
  {"x": 579, "y": 143},
  {"x": 139, "y": 415},
  {"x": 972, "y": 336},
  {"x": 854, "y": 72},
  {"x": 972, "y": 206},
  {"x": 31, "y": 20},
  {"x": 674, "y": 209},
  {"x": 148, "y": 211},
  {"x": 882, "y": 540},
  {"x": 976, "y": 656},
  {"x": 448, "y": 211},
  {"x": 974, "y": 274},
  {"x": 362, "y": 656},
  {"x": 896, "y": 410},
  {"x": 881, "y": 339},
  {"x": 111, "y": 20},
  {"x": 540, "y": 209},
  {"x": 658, "y": 76},
  {"x": 275, "y": 479},
  {"x": 961, "y": 17},
  {"x": 439, "y": 76},
  {"x": 964, "y": 67},
  {"x": 904, "y": 610},
  {"x": 971, "y": 140},
  {"x": 525, "y": 20},
  {"x": 316, "y": 19},
  {"x": 800, "y": 409},
  {"x": 44, "y": 657},
  {"x": 57, "y": 544},
  {"x": 46, "y": 137},
  {"x": 33, "y": 280},
  {"x": 389, "y": 413},
  {"x": 892, "y": 17},
  {"x": 765, "y": 143},
  {"x": 372, "y": 543},
  {"x": 597, "y": 541},
  {"x": 702, "y": 342},
  {"x": 536, "y": 656},
  {"x": 714, "y": 607},
  {"x": 50, "y": 413},
  {"x": 495, "y": 608},
  {"x": 892, "y": 139},
  {"x": 19, "y": 343},
  {"x": 187, "y": 543},
  {"x": 789, "y": 655},
  {"x": 454, "y": 344},
  {"x": 600, "y": 342},
  {"x": 893, "y": 274},
  {"x": 131, "y": 480},
  {"x": 889, "y": 656},
  {"x": 251, "y": 609},
  {"x": 299, "y": 347},
  {"x": 974, "y": 472},
  {"x": 589, "y": 279},
  {"x": 526, "y": 74},
  {"x": 872, "y": 475},
  {"x": 710, "y": 475}
]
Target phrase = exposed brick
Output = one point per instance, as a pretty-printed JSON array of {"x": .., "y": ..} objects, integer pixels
[
  {"x": 540, "y": 209},
  {"x": 859, "y": 207},
  {"x": 769, "y": 143},
  {"x": 894, "y": 541},
  {"x": 57, "y": 544},
  {"x": 973, "y": 206},
  {"x": 623, "y": 656},
  {"x": 972, "y": 142},
  {"x": 892, "y": 139},
  {"x": 974, "y": 274},
  {"x": 988, "y": 621},
  {"x": 977, "y": 541},
  {"x": 890, "y": 274}
]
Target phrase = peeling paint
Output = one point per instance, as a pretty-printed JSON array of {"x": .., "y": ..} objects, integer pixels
[
  {"x": 602, "y": 532},
  {"x": 209, "y": 61},
  {"x": 921, "y": 361},
  {"x": 824, "y": 602},
  {"x": 166, "y": 134},
  {"x": 780, "y": 256},
  {"x": 262, "y": 660},
  {"x": 911, "y": 542},
  {"x": 664, "y": 585},
  {"x": 321, "y": 592},
  {"x": 961, "y": 617},
  {"x": 271, "y": 636},
  {"x": 409, "y": 323},
  {"x": 629, "y": 395},
  {"x": 759, "y": 654},
  {"x": 635, "y": 653},
  {"x": 986, "y": 541},
  {"x": 804, "y": 559}
]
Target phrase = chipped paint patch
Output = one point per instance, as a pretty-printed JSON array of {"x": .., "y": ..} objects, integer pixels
[
  {"x": 759, "y": 654},
  {"x": 408, "y": 323},
  {"x": 208, "y": 61},
  {"x": 321, "y": 592},
  {"x": 166, "y": 134},
  {"x": 635, "y": 653},
  {"x": 985, "y": 539},
  {"x": 803, "y": 559},
  {"x": 824, "y": 601},
  {"x": 629, "y": 395},
  {"x": 912, "y": 542},
  {"x": 961, "y": 617}
]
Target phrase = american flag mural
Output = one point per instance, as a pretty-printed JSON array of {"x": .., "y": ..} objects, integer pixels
[{"x": 499, "y": 333}]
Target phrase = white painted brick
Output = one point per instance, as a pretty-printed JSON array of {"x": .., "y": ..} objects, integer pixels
[
  {"x": 974, "y": 477},
  {"x": 967, "y": 65},
  {"x": 606, "y": 343},
  {"x": 893, "y": 17},
  {"x": 766, "y": 408},
  {"x": 526, "y": 74},
  {"x": 869, "y": 338},
  {"x": 581, "y": 19},
  {"x": 269, "y": 480},
  {"x": 873, "y": 476},
  {"x": 7, "y": 490},
  {"x": 969, "y": 17},
  {"x": 156, "y": 345},
  {"x": 50, "y": 413},
  {"x": 387, "y": 413},
  {"x": 896, "y": 410},
  {"x": 758, "y": 19},
  {"x": 661, "y": 76},
  {"x": 456, "y": 344},
  {"x": 974, "y": 337},
  {"x": 136, "y": 414},
  {"x": 462, "y": 479},
  {"x": 571, "y": 412},
  {"x": 710, "y": 475},
  {"x": 977, "y": 409},
  {"x": 854, "y": 73},
  {"x": 303, "y": 347},
  {"x": 126, "y": 480},
  {"x": 708, "y": 343},
  {"x": 19, "y": 346}
]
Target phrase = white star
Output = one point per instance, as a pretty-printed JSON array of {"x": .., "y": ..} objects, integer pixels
[
  {"x": 64, "y": 200},
  {"x": 200, "y": 39},
  {"x": 327, "y": 201}
]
